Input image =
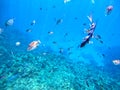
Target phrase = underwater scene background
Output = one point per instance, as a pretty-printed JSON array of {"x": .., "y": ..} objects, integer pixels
[{"x": 59, "y": 45}]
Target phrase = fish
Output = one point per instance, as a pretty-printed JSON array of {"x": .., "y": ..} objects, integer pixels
[
  {"x": 103, "y": 55},
  {"x": 84, "y": 24},
  {"x": 54, "y": 42},
  {"x": 98, "y": 37},
  {"x": 61, "y": 50},
  {"x": 9, "y": 22},
  {"x": 76, "y": 18},
  {"x": 116, "y": 62},
  {"x": 40, "y": 8},
  {"x": 53, "y": 6},
  {"x": 59, "y": 21},
  {"x": 70, "y": 53},
  {"x": 17, "y": 43},
  {"x": 89, "y": 36},
  {"x": 109, "y": 9},
  {"x": 33, "y": 22},
  {"x": 90, "y": 18},
  {"x": 33, "y": 45},
  {"x": 66, "y": 34},
  {"x": 50, "y": 32},
  {"x": 101, "y": 41},
  {"x": 93, "y": 2},
  {"x": 1, "y": 30},
  {"x": 28, "y": 30},
  {"x": 66, "y": 1},
  {"x": 85, "y": 41}
]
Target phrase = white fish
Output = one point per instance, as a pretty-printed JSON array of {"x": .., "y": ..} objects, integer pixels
[
  {"x": 93, "y": 2},
  {"x": 10, "y": 22},
  {"x": 44, "y": 53},
  {"x": 66, "y": 1},
  {"x": 17, "y": 43},
  {"x": 50, "y": 33},
  {"x": 90, "y": 18},
  {"x": 1, "y": 30},
  {"x": 116, "y": 62},
  {"x": 33, "y": 22}
]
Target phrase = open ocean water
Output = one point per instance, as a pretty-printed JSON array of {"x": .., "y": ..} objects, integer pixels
[{"x": 59, "y": 45}]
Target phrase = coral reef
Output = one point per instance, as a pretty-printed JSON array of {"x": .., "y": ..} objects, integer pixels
[{"x": 28, "y": 71}]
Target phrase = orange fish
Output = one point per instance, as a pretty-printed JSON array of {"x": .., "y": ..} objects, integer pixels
[
  {"x": 116, "y": 62},
  {"x": 33, "y": 45}
]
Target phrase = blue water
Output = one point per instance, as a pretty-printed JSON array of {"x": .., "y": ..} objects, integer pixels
[{"x": 58, "y": 63}]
